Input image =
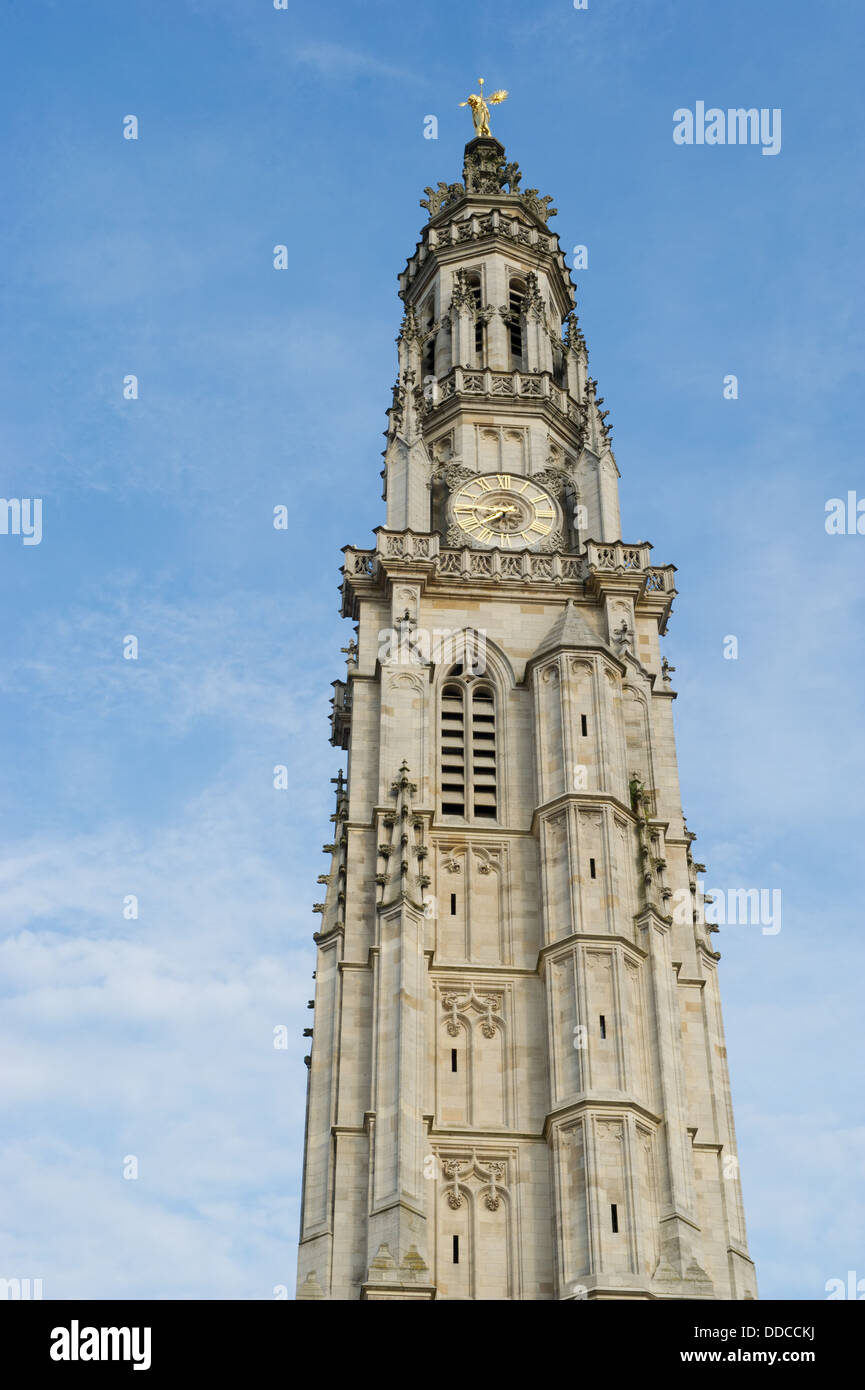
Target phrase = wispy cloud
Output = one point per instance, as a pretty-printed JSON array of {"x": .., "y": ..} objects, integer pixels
[
  {"x": 155, "y": 1038},
  {"x": 337, "y": 62}
]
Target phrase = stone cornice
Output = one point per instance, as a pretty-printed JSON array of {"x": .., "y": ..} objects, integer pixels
[
  {"x": 593, "y": 800},
  {"x": 441, "y": 969},
  {"x": 595, "y": 648},
  {"x": 481, "y": 1139},
  {"x": 439, "y": 829},
  {"x": 567, "y": 943},
  {"x": 583, "y": 1102}
]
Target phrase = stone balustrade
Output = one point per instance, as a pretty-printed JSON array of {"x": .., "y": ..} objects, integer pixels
[
  {"x": 493, "y": 385},
  {"x": 525, "y": 566}
]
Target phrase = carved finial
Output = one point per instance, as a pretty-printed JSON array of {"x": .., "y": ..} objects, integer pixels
[
  {"x": 410, "y": 329},
  {"x": 574, "y": 340},
  {"x": 406, "y": 848},
  {"x": 462, "y": 296}
]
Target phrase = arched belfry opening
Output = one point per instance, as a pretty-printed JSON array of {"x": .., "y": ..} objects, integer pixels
[{"x": 468, "y": 746}]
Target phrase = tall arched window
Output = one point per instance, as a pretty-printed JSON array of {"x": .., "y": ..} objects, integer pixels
[
  {"x": 474, "y": 283},
  {"x": 468, "y": 748},
  {"x": 516, "y": 295},
  {"x": 429, "y": 351}
]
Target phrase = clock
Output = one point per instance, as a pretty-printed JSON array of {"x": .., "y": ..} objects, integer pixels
[{"x": 504, "y": 510}]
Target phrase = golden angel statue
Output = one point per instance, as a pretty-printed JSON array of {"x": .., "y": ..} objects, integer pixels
[{"x": 480, "y": 110}]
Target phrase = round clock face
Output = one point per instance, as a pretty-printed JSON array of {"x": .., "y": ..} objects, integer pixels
[{"x": 504, "y": 510}]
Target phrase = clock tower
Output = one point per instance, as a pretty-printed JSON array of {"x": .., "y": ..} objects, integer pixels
[{"x": 518, "y": 1084}]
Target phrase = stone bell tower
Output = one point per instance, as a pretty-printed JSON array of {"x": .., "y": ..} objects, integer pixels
[{"x": 518, "y": 1084}]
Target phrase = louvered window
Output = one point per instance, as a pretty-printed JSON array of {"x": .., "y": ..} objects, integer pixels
[
  {"x": 483, "y": 752},
  {"x": 516, "y": 294},
  {"x": 453, "y": 746},
  {"x": 468, "y": 750}
]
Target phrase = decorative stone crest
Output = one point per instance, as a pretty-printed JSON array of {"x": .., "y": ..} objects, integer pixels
[
  {"x": 452, "y": 1169},
  {"x": 553, "y": 542},
  {"x": 553, "y": 479},
  {"x": 444, "y": 195},
  {"x": 492, "y": 1200},
  {"x": 539, "y": 206},
  {"x": 453, "y": 474},
  {"x": 456, "y": 1004},
  {"x": 491, "y": 1173},
  {"x": 485, "y": 170},
  {"x": 610, "y": 1130}
]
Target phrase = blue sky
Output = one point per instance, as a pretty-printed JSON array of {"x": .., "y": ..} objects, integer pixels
[{"x": 153, "y": 777}]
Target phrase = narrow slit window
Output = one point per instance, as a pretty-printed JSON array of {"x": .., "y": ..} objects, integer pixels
[
  {"x": 584, "y": 725},
  {"x": 456, "y": 1250},
  {"x": 453, "y": 904},
  {"x": 592, "y": 870},
  {"x": 603, "y": 1026},
  {"x": 453, "y": 1059},
  {"x": 614, "y": 1218}
]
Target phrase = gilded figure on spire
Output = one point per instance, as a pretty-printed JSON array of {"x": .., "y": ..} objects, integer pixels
[{"x": 480, "y": 109}]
